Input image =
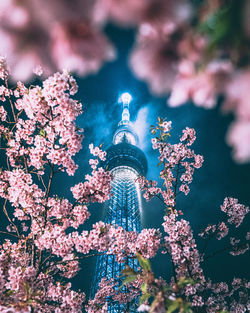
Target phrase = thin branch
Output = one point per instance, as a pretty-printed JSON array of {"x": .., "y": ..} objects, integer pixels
[
  {"x": 176, "y": 181},
  {"x": 11, "y": 103},
  {"x": 224, "y": 249},
  {"x": 25, "y": 164},
  {"x": 9, "y": 219},
  {"x": 44, "y": 186},
  {"x": 8, "y": 164},
  {"x": 9, "y": 234},
  {"x": 50, "y": 180},
  {"x": 80, "y": 258}
]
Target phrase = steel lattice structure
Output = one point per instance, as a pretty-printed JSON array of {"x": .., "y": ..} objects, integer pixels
[{"x": 126, "y": 162}]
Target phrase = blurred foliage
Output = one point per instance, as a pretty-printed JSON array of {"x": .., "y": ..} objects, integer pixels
[
  {"x": 156, "y": 294},
  {"x": 223, "y": 24}
]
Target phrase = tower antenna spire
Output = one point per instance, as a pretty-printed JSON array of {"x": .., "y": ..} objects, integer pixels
[
  {"x": 125, "y": 99},
  {"x": 124, "y": 131}
]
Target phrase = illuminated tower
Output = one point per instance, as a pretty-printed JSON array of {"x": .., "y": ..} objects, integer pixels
[{"x": 126, "y": 161}]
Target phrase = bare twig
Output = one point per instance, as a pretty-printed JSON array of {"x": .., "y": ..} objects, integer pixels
[{"x": 9, "y": 219}]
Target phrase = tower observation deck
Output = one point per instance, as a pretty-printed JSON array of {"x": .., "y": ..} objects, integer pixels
[{"x": 126, "y": 162}]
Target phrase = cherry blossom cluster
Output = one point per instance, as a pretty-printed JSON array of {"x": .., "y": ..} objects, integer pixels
[
  {"x": 108, "y": 292},
  {"x": 102, "y": 238},
  {"x": 238, "y": 247},
  {"x": 221, "y": 296},
  {"x": 220, "y": 230},
  {"x": 96, "y": 188},
  {"x": 3, "y": 68},
  {"x": 45, "y": 130},
  {"x": 235, "y": 211},
  {"x": 178, "y": 160},
  {"x": 189, "y": 280},
  {"x": 18, "y": 188},
  {"x": 29, "y": 201},
  {"x": 99, "y": 304},
  {"x": 128, "y": 243},
  {"x": 115, "y": 240},
  {"x": 149, "y": 188},
  {"x": 96, "y": 151},
  {"x": 39, "y": 137},
  {"x": 3, "y": 114},
  {"x": 24, "y": 286},
  {"x": 22, "y": 271},
  {"x": 179, "y": 242},
  {"x": 181, "y": 246}
]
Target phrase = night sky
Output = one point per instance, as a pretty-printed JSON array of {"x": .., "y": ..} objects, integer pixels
[{"x": 219, "y": 177}]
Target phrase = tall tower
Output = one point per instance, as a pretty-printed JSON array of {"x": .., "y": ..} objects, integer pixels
[{"x": 126, "y": 162}]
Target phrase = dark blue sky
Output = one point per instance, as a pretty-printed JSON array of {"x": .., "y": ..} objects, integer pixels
[{"x": 219, "y": 177}]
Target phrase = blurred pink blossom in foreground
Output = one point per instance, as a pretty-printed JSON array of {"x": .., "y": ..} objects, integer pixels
[
  {"x": 179, "y": 48},
  {"x": 174, "y": 57},
  {"x": 56, "y": 35}
]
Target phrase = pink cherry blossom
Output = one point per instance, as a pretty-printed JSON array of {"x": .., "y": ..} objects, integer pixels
[
  {"x": 238, "y": 136},
  {"x": 182, "y": 247},
  {"x": 3, "y": 68},
  {"x": 201, "y": 87},
  {"x": 96, "y": 187},
  {"x": 80, "y": 47},
  {"x": 235, "y": 211},
  {"x": 38, "y": 70},
  {"x": 52, "y": 28},
  {"x": 176, "y": 158}
]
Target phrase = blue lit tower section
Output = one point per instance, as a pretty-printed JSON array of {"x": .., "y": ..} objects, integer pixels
[{"x": 126, "y": 162}]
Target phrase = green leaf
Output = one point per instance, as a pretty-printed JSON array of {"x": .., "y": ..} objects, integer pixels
[
  {"x": 144, "y": 288},
  {"x": 26, "y": 286},
  {"x": 173, "y": 306},
  {"x": 10, "y": 292},
  {"x": 183, "y": 281},
  {"x": 153, "y": 305},
  {"x": 128, "y": 279},
  {"x": 187, "y": 309},
  {"x": 42, "y": 133},
  {"x": 144, "y": 298},
  {"x": 128, "y": 271},
  {"x": 145, "y": 264}
]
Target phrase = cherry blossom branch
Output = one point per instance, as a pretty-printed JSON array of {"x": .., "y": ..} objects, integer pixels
[
  {"x": 11, "y": 103},
  {"x": 44, "y": 186},
  {"x": 50, "y": 180},
  {"x": 229, "y": 247},
  {"x": 176, "y": 182},
  {"x": 9, "y": 234}
]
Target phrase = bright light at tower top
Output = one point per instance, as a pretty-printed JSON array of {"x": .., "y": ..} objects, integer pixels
[{"x": 125, "y": 98}]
